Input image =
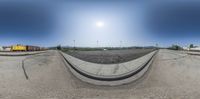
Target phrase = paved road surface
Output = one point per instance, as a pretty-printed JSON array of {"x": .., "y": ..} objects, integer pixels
[
  {"x": 173, "y": 75},
  {"x": 110, "y": 56}
]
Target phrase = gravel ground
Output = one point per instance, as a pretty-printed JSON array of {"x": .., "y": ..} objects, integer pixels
[
  {"x": 172, "y": 75},
  {"x": 110, "y": 56}
]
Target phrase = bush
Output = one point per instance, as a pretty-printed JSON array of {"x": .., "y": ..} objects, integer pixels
[
  {"x": 175, "y": 47},
  {"x": 59, "y": 47}
]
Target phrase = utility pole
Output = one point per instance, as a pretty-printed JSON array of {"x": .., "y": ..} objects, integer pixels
[
  {"x": 97, "y": 43},
  {"x": 120, "y": 44},
  {"x": 74, "y": 43}
]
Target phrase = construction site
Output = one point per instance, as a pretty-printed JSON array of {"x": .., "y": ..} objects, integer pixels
[
  {"x": 99, "y": 49},
  {"x": 53, "y": 74}
]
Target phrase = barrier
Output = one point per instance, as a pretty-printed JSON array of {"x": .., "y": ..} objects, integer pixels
[{"x": 109, "y": 74}]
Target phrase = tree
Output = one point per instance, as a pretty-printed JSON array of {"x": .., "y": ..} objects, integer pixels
[
  {"x": 175, "y": 47},
  {"x": 59, "y": 47},
  {"x": 191, "y": 46}
]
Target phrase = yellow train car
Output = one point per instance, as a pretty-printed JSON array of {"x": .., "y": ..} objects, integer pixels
[{"x": 18, "y": 48}]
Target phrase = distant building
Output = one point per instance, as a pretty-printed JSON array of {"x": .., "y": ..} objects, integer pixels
[
  {"x": 186, "y": 48},
  {"x": 1, "y": 48},
  {"x": 6, "y": 48},
  {"x": 196, "y": 48}
]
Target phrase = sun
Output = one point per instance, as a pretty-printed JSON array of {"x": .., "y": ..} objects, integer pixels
[{"x": 99, "y": 24}]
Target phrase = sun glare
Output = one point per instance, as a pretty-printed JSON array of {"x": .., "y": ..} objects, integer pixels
[{"x": 99, "y": 24}]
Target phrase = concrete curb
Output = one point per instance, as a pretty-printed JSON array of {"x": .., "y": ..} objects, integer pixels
[
  {"x": 20, "y": 53},
  {"x": 110, "y": 80},
  {"x": 194, "y": 53}
]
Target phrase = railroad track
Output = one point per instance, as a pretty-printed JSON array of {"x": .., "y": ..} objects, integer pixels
[{"x": 20, "y": 53}]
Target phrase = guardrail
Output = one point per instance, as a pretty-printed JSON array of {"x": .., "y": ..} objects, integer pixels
[{"x": 102, "y": 74}]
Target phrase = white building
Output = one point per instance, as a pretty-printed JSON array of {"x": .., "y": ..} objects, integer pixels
[
  {"x": 195, "y": 49},
  {"x": 185, "y": 48},
  {"x": 7, "y": 49},
  {"x": 1, "y": 48}
]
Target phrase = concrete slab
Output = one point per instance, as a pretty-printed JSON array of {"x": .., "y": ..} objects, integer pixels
[
  {"x": 108, "y": 69},
  {"x": 108, "y": 72},
  {"x": 166, "y": 78},
  {"x": 193, "y": 53}
]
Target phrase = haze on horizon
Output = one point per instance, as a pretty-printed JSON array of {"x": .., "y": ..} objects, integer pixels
[{"x": 133, "y": 23}]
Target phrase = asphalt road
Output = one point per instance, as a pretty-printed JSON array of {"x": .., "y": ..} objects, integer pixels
[
  {"x": 110, "y": 56},
  {"x": 173, "y": 75}
]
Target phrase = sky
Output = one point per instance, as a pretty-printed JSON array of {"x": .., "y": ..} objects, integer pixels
[{"x": 122, "y": 22}]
